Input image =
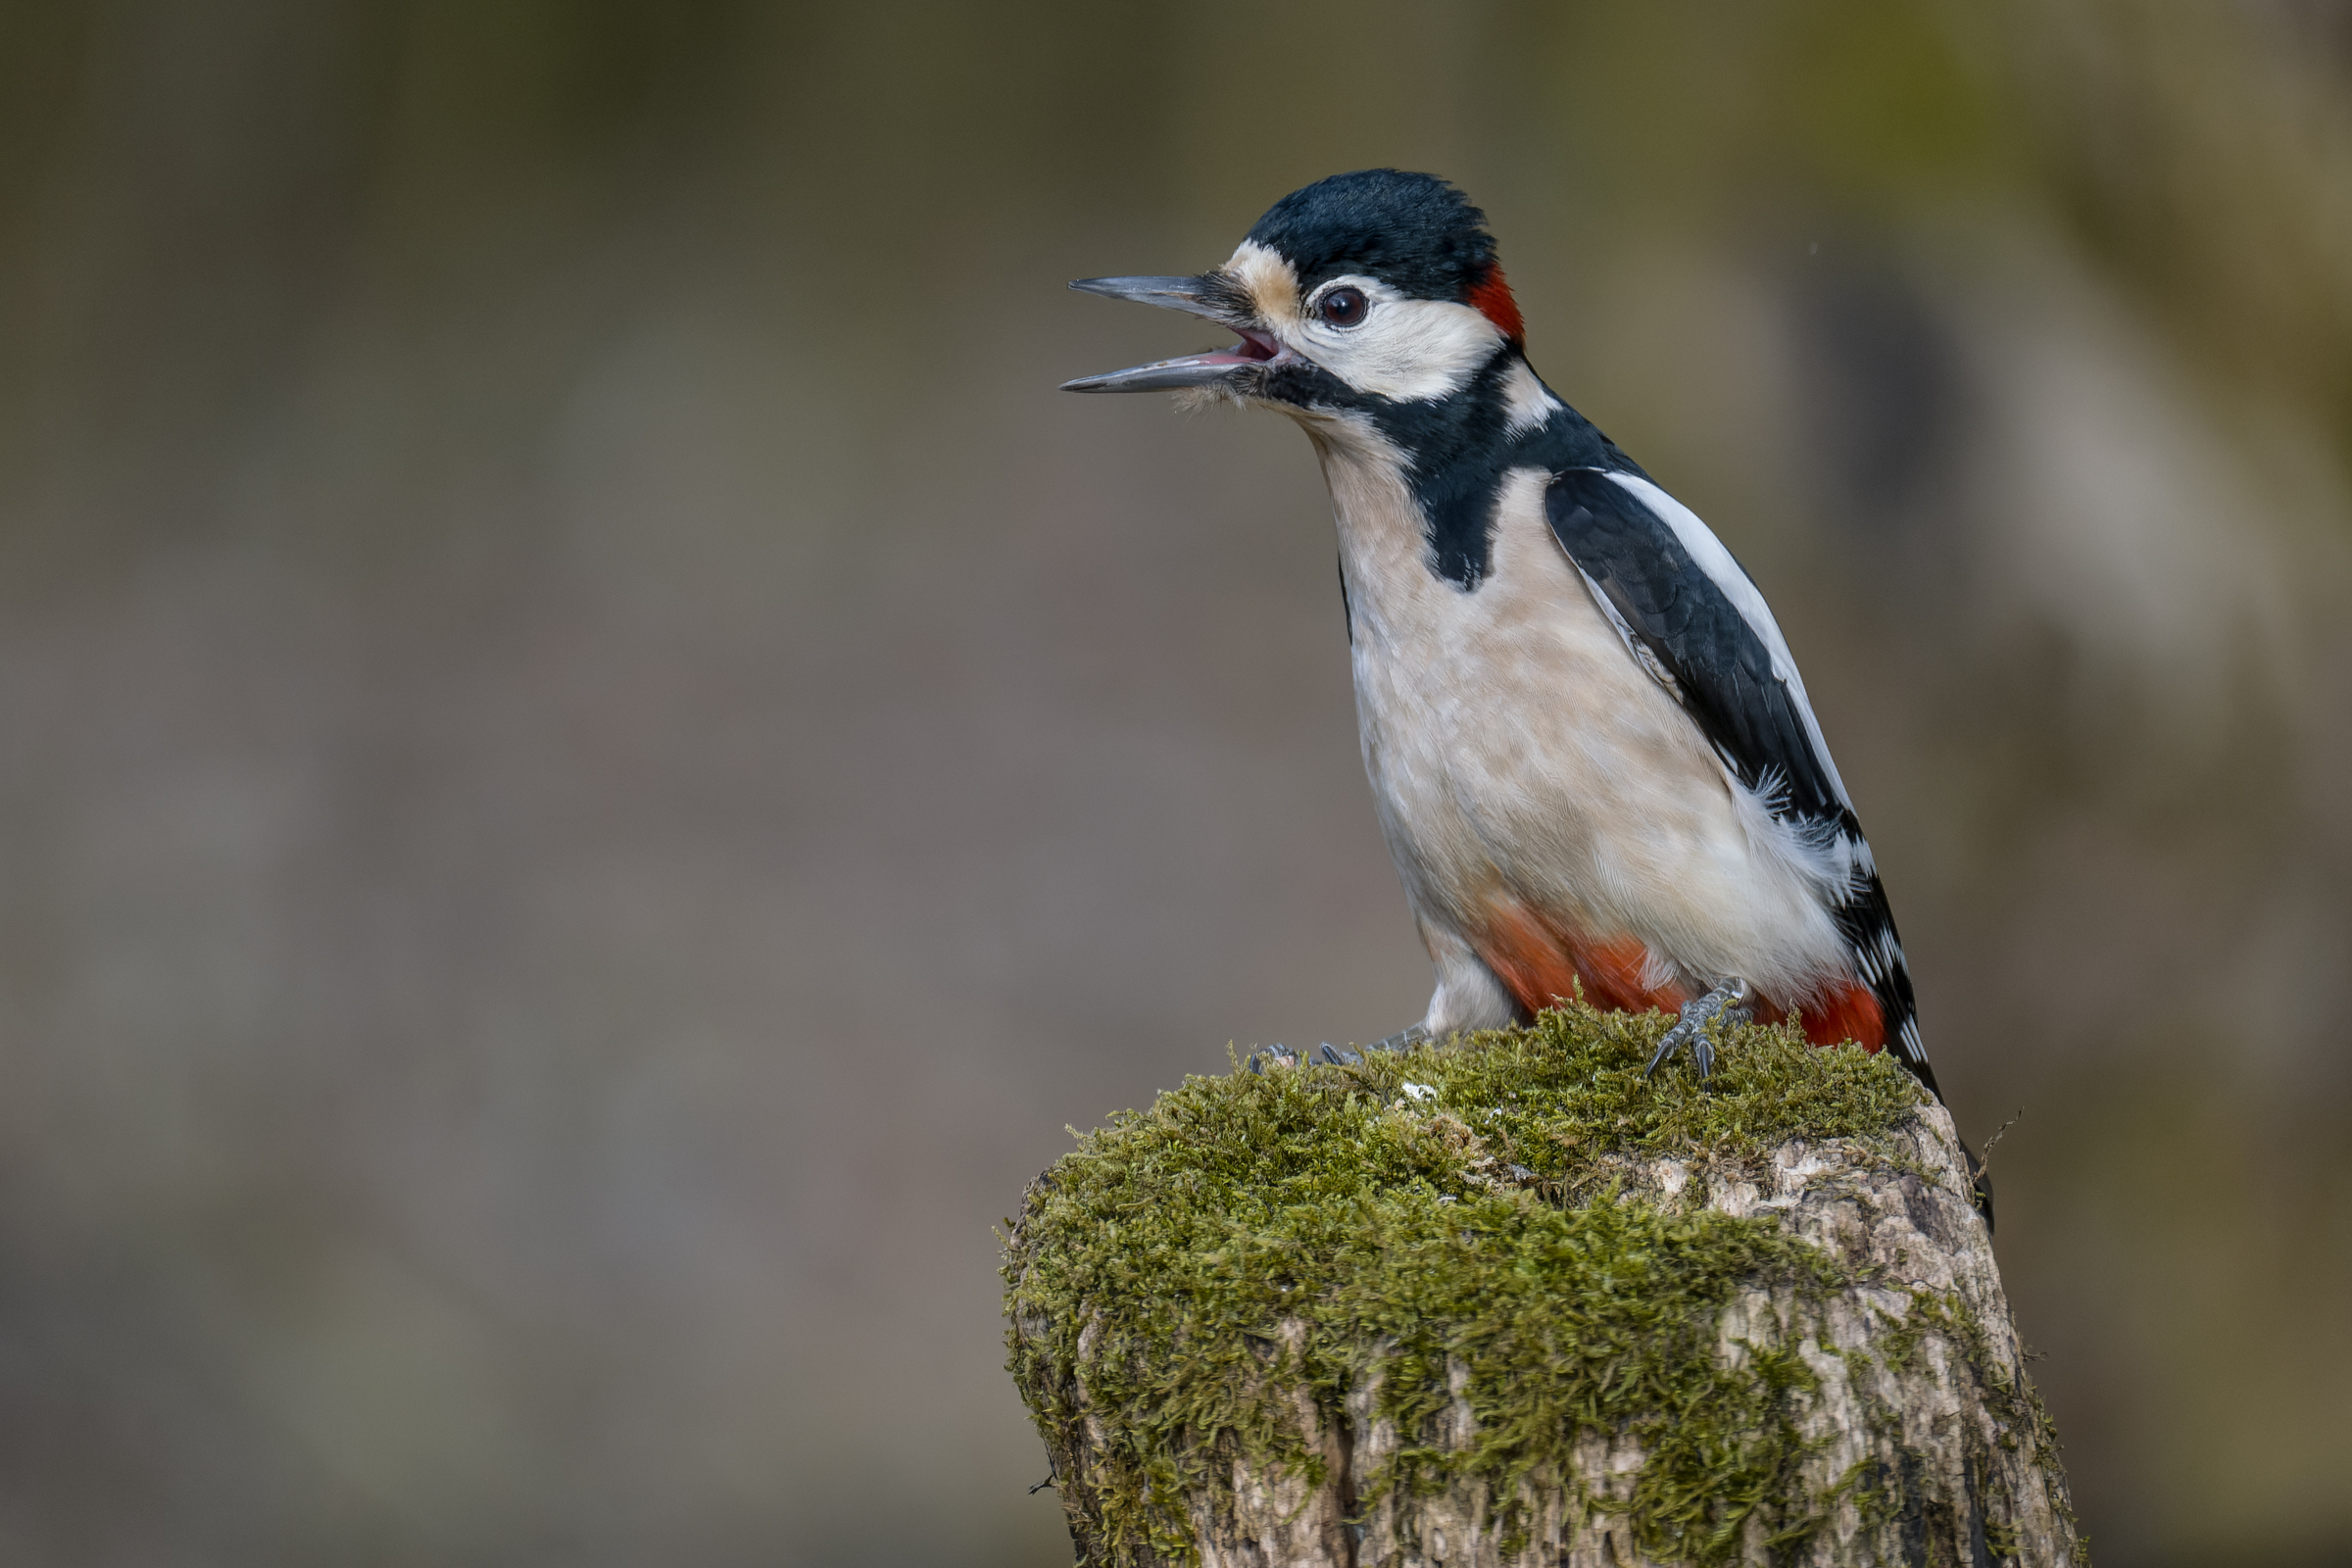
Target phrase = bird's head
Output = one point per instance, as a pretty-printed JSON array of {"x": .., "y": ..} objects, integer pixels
[{"x": 1363, "y": 290}]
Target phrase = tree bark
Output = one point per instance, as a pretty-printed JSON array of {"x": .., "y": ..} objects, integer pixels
[{"x": 1920, "y": 1439}]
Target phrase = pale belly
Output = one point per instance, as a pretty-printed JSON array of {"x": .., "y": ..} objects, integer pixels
[{"x": 1535, "y": 784}]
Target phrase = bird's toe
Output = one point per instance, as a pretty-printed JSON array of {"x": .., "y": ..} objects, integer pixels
[{"x": 1727, "y": 1003}]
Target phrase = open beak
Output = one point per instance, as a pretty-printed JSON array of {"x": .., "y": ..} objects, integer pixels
[{"x": 1210, "y": 298}]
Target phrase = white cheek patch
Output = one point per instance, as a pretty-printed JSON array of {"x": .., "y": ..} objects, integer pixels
[{"x": 1414, "y": 351}]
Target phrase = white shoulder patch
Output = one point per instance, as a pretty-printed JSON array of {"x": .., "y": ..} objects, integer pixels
[
  {"x": 1529, "y": 400},
  {"x": 1706, "y": 550}
]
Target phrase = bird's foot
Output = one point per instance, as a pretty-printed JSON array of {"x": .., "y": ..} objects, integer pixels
[
  {"x": 1337, "y": 1055},
  {"x": 1725, "y": 1003},
  {"x": 1404, "y": 1039}
]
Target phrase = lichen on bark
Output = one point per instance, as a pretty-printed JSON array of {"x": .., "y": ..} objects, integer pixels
[{"x": 1505, "y": 1300}]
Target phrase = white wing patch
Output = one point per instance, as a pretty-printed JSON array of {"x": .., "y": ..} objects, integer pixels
[{"x": 1706, "y": 550}]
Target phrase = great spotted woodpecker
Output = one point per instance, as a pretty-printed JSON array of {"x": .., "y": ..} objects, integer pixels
[{"x": 1592, "y": 757}]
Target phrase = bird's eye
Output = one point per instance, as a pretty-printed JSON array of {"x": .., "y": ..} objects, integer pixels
[{"x": 1343, "y": 307}]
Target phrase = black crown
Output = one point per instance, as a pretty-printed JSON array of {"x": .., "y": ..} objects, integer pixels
[{"x": 1414, "y": 232}]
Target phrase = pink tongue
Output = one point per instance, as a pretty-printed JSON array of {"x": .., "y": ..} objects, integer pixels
[{"x": 1251, "y": 350}]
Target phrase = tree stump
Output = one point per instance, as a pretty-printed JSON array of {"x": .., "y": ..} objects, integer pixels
[{"x": 1506, "y": 1303}]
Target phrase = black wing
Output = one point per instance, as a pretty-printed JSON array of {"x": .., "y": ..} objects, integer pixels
[{"x": 1695, "y": 620}]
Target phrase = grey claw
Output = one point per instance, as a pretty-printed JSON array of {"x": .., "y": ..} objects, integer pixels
[
  {"x": 1284, "y": 1056},
  {"x": 1667, "y": 1043},
  {"x": 1725, "y": 1003}
]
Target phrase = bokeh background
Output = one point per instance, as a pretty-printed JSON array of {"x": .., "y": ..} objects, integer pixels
[{"x": 593, "y": 764}]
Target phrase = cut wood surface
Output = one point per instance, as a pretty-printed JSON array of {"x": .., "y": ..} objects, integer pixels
[{"x": 1506, "y": 1303}]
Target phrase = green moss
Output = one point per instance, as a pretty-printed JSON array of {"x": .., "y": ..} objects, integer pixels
[{"x": 1336, "y": 1228}]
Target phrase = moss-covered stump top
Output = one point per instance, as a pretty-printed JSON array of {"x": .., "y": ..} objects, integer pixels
[{"x": 1504, "y": 1300}]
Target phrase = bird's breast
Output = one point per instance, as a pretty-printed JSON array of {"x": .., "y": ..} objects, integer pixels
[{"x": 1524, "y": 764}]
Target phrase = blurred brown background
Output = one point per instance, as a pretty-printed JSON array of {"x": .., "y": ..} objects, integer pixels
[{"x": 593, "y": 764}]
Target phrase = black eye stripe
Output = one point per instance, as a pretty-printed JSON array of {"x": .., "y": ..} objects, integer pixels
[{"x": 1343, "y": 307}]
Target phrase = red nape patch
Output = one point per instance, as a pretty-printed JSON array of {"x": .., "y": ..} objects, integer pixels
[
  {"x": 1492, "y": 297},
  {"x": 1852, "y": 1013}
]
